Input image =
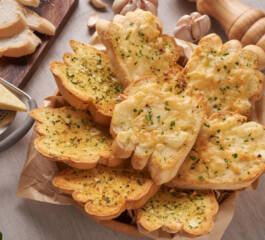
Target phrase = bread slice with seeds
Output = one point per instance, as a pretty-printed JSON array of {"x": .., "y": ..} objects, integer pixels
[
  {"x": 157, "y": 125},
  {"x": 136, "y": 45},
  {"x": 185, "y": 213},
  {"x": 226, "y": 74},
  {"x": 106, "y": 192},
  {"x": 229, "y": 154},
  {"x": 86, "y": 80},
  {"x": 70, "y": 136}
]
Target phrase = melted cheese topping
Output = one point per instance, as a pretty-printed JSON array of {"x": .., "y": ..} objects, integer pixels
[
  {"x": 229, "y": 150},
  {"x": 228, "y": 77},
  {"x": 70, "y": 134},
  {"x": 104, "y": 187},
  {"x": 140, "y": 47},
  {"x": 88, "y": 75},
  {"x": 158, "y": 120},
  {"x": 174, "y": 211}
]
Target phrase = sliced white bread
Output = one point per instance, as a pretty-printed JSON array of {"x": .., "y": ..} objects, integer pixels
[
  {"x": 12, "y": 20},
  {"x": 21, "y": 44},
  {"x": 37, "y": 23},
  {"x": 32, "y": 3}
]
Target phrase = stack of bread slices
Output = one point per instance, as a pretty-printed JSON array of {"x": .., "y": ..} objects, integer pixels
[
  {"x": 17, "y": 24},
  {"x": 139, "y": 133}
]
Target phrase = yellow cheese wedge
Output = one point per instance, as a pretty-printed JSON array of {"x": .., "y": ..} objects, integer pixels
[{"x": 8, "y": 101}]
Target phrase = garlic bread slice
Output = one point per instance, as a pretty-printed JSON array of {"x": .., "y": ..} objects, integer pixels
[
  {"x": 106, "y": 192},
  {"x": 136, "y": 45},
  {"x": 226, "y": 74},
  {"x": 71, "y": 136},
  {"x": 157, "y": 125},
  {"x": 186, "y": 213},
  {"x": 229, "y": 154},
  {"x": 87, "y": 81}
]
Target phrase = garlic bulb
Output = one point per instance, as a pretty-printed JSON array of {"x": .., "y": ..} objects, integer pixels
[
  {"x": 192, "y": 27},
  {"x": 124, "y": 6}
]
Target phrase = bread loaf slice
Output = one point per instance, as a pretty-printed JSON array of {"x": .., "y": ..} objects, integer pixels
[
  {"x": 229, "y": 154},
  {"x": 31, "y": 3},
  {"x": 226, "y": 74},
  {"x": 37, "y": 23},
  {"x": 106, "y": 192},
  {"x": 87, "y": 81},
  {"x": 157, "y": 125},
  {"x": 24, "y": 43},
  {"x": 178, "y": 212},
  {"x": 12, "y": 20},
  {"x": 136, "y": 45},
  {"x": 70, "y": 136}
]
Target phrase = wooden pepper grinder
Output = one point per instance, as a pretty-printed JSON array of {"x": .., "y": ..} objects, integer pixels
[{"x": 240, "y": 21}]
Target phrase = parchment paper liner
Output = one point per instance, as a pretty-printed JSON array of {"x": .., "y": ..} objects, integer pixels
[{"x": 36, "y": 184}]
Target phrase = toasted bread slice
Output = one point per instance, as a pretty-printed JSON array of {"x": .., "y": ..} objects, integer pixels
[
  {"x": 31, "y": 3},
  {"x": 226, "y": 74},
  {"x": 229, "y": 154},
  {"x": 37, "y": 23},
  {"x": 24, "y": 43},
  {"x": 106, "y": 192},
  {"x": 186, "y": 213},
  {"x": 70, "y": 136},
  {"x": 136, "y": 45},
  {"x": 157, "y": 125},
  {"x": 12, "y": 21},
  {"x": 86, "y": 80}
]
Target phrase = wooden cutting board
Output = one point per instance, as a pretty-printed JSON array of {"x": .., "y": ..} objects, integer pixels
[{"x": 19, "y": 70}]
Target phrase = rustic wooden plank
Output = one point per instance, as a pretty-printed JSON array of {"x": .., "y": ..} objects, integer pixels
[{"x": 19, "y": 70}]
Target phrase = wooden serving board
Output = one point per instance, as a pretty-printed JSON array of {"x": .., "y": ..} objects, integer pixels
[{"x": 19, "y": 70}]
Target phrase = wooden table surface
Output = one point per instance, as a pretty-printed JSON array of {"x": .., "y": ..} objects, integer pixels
[{"x": 22, "y": 219}]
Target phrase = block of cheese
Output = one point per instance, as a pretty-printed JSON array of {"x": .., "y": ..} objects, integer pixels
[{"x": 8, "y": 101}]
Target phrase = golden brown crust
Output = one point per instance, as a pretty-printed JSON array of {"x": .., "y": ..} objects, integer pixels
[
  {"x": 136, "y": 46},
  {"x": 148, "y": 125},
  {"x": 86, "y": 81},
  {"x": 106, "y": 192},
  {"x": 226, "y": 74},
  {"x": 70, "y": 136},
  {"x": 177, "y": 212},
  {"x": 228, "y": 155}
]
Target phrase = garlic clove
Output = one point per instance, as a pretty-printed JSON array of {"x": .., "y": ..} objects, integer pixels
[
  {"x": 195, "y": 15},
  {"x": 128, "y": 8},
  {"x": 205, "y": 24},
  {"x": 98, "y": 4},
  {"x": 92, "y": 20},
  {"x": 183, "y": 32},
  {"x": 186, "y": 50},
  {"x": 200, "y": 27},
  {"x": 196, "y": 31},
  {"x": 138, "y": 3},
  {"x": 155, "y": 2},
  {"x": 96, "y": 42},
  {"x": 184, "y": 20},
  {"x": 118, "y": 5},
  {"x": 148, "y": 6}
]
